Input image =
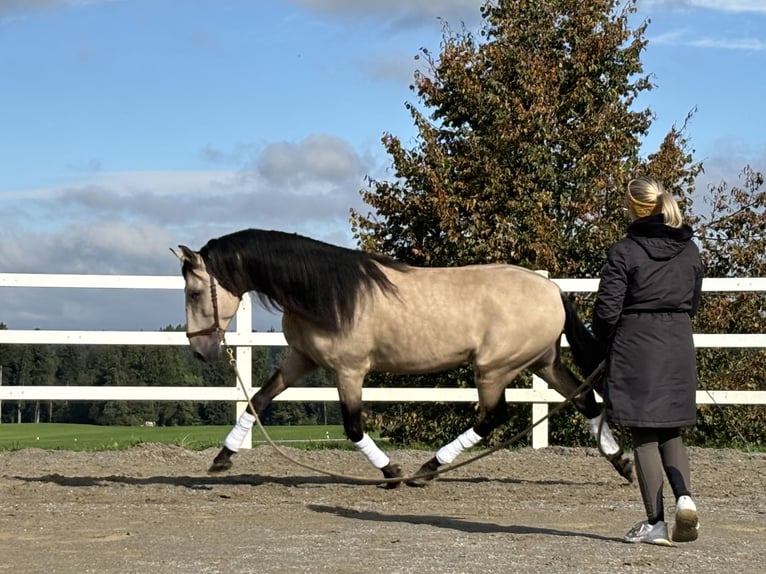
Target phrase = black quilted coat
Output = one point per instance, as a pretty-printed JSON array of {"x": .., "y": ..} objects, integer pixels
[{"x": 649, "y": 290}]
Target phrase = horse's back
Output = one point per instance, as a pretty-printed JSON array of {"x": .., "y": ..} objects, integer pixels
[
  {"x": 456, "y": 314},
  {"x": 508, "y": 288}
]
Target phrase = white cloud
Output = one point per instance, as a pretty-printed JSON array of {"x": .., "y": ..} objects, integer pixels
[
  {"x": 314, "y": 162},
  {"x": 727, "y": 164},
  {"x": 736, "y": 6},
  {"x": 683, "y": 38},
  {"x": 106, "y": 246},
  {"x": 401, "y": 13},
  {"x": 398, "y": 69},
  {"x": 748, "y": 44},
  {"x": 124, "y": 222},
  {"x": 17, "y": 7}
]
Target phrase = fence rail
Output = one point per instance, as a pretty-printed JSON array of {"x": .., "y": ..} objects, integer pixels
[{"x": 242, "y": 338}]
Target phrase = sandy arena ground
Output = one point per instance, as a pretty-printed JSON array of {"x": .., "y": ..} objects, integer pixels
[{"x": 154, "y": 509}]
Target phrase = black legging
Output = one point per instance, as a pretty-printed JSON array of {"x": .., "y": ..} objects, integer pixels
[{"x": 657, "y": 450}]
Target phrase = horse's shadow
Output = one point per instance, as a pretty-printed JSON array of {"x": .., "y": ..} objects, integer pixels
[
  {"x": 187, "y": 481},
  {"x": 208, "y": 482},
  {"x": 453, "y": 523}
]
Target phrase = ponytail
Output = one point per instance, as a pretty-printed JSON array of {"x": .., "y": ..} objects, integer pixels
[
  {"x": 647, "y": 196},
  {"x": 669, "y": 209}
]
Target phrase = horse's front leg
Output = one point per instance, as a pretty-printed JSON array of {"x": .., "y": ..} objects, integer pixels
[
  {"x": 293, "y": 368},
  {"x": 350, "y": 395},
  {"x": 236, "y": 437},
  {"x": 493, "y": 412}
]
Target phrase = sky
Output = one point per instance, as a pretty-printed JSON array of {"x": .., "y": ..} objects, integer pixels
[{"x": 128, "y": 127}]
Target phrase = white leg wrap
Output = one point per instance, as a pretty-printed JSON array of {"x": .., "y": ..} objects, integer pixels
[
  {"x": 451, "y": 451},
  {"x": 237, "y": 435},
  {"x": 369, "y": 449},
  {"x": 608, "y": 444}
]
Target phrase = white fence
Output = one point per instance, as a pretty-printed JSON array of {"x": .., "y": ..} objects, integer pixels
[{"x": 243, "y": 338}]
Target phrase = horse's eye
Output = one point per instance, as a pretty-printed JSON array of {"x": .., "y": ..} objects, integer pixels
[{"x": 193, "y": 296}]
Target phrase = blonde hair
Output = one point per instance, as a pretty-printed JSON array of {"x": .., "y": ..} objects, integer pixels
[{"x": 646, "y": 196}]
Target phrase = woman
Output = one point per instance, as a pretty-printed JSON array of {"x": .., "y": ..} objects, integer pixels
[{"x": 649, "y": 290}]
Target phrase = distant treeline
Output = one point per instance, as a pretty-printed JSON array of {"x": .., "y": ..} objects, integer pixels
[{"x": 131, "y": 365}]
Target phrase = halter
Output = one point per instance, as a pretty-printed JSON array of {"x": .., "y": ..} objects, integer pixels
[{"x": 215, "y": 327}]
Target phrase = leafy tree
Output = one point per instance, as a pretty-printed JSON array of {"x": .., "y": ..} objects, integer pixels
[
  {"x": 7, "y": 357},
  {"x": 73, "y": 370},
  {"x": 530, "y": 137},
  {"x": 29, "y": 365},
  {"x": 731, "y": 228}
]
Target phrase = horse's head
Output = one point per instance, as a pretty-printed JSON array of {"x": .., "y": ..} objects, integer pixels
[{"x": 209, "y": 307}]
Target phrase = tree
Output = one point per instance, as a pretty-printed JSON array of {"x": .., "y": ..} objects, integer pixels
[
  {"x": 733, "y": 237},
  {"x": 529, "y": 141},
  {"x": 7, "y": 356},
  {"x": 73, "y": 369},
  {"x": 531, "y": 137}
]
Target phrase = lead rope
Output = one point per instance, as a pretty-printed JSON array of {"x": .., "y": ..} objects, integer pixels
[{"x": 430, "y": 474}]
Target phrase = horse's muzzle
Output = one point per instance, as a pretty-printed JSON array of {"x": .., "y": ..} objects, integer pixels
[{"x": 206, "y": 348}]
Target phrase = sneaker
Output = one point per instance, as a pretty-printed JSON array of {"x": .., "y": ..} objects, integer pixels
[
  {"x": 686, "y": 527},
  {"x": 649, "y": 533}
]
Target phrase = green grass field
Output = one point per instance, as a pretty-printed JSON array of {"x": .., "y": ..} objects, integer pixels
[{"x": 54, "y": 436}]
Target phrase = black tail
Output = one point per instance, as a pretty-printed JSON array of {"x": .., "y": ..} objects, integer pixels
[{"x": 588, "y": 352}]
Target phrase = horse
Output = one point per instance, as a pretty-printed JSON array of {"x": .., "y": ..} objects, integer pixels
[{"x": 353, "y": 312}]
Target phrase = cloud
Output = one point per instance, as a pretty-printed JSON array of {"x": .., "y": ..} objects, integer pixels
[
  {"x": 681, "y": 38},
  {"x": 748, "y": 44},
  {"x": 316, "y": 161},
  {"x": 735, "y": 6},
  {"x": 124, "y": 222},
  {"x": 104, "y": 247},
  {"x": 731, "y": 157},
  {"x": 241, "y": 153},
  {"x": 398, "y": 69},
  {"x": 401, "y": 14},
  {"x": 18, "y": 7}
]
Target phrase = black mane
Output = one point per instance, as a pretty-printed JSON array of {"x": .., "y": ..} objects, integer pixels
[{"x": 315, "y": 280}]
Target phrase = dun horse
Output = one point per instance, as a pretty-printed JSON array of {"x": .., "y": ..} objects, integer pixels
[{"x": 353, "y": 312}]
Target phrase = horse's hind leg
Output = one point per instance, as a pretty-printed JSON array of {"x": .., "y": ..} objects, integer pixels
[
  {"x": 293, "y": 368},
  {"x": 493, "y": 411},
  {"x": 350, "y": 395},
  {"x": 563, "y": 380}
]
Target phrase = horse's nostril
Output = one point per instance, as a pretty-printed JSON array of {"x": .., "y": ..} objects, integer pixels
[{"x": 198, "y": 355}]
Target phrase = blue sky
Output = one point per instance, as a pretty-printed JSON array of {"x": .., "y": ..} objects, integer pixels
[{"x": 130, "y": 126}]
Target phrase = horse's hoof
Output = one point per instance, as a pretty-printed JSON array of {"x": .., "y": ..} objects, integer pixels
[
  {"x": 222, "y": 461},
  {"x": 220, "y": 466},
  {"x": 425, "y": 473},
  {"x": 392, "y": 471},
  {"x": 622, "y": 464}
]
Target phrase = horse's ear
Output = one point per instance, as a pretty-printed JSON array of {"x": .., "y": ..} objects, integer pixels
[{"x": 187, "y": 255}]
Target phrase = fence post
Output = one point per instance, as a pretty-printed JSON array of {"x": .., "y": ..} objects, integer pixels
[
  {"x": 244, "y": 356},
  {"x": 540, "y": 410}
]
